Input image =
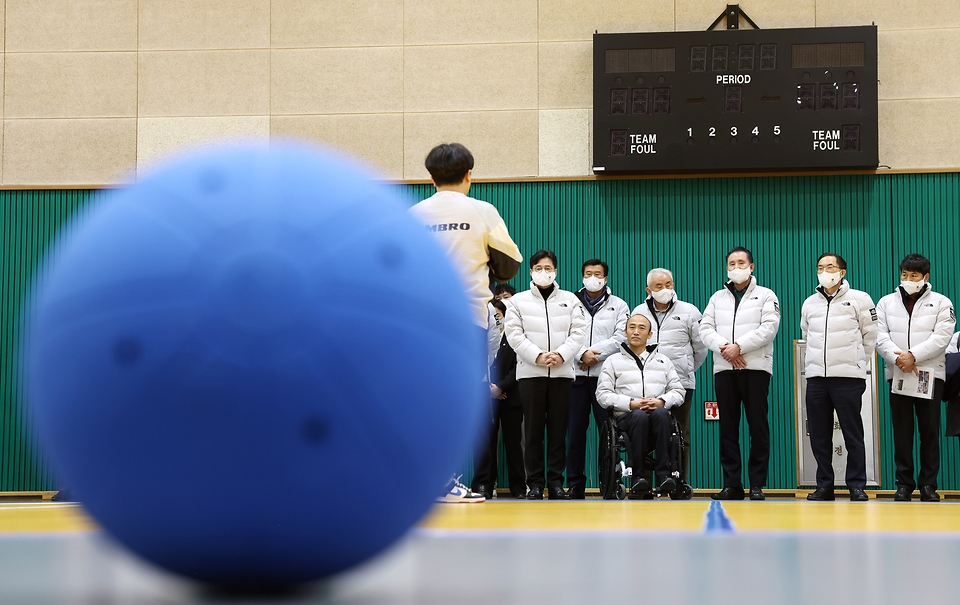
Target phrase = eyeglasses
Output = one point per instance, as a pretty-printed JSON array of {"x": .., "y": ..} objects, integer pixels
[
  {"x": 828, "y": 269},
  {"x": 541, "y": 270}
]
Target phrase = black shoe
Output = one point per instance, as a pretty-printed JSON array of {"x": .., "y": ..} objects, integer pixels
[
  {"x": 858, "y": 495},
  {"x": 822, "y": 494},
  {"x": 483, "y": 490},
  {"x": 757, "y": 494},
  {"x": 556, "y": 493},
  {"x": 729, "y": 493},
  {"x": 519, "y": 495},
  {"x": 928, "y": 493},
  {"x": 667, "y": 486},
  {"x": 576, "y": 493},
  {"x": 903, "y": 494},
  {"x": 640, "y": 490},
  {"x": 535, "y": 493}
]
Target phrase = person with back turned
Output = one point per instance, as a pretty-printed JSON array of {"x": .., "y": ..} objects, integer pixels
[
  {"x": 739, "y": 325},
  {"x": 839, "y": 325}
]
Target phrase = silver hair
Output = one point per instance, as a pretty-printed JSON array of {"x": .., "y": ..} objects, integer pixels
[{"x": 657, "y": 271}]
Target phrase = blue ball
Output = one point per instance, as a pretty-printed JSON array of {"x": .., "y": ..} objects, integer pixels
[{"x": 254, "y": 367}]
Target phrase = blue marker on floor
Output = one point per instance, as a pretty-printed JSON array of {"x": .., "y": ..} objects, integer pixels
[{"x": 716, "y": 520}]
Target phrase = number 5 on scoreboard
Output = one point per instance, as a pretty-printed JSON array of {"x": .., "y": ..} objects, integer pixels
[{"x": 776, "y": 130}]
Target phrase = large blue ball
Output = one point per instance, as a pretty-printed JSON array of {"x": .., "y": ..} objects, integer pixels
[{"x": 254, "y": 367}]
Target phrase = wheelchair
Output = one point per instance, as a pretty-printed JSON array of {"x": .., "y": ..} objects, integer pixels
[{"x": 613, "y": 462}]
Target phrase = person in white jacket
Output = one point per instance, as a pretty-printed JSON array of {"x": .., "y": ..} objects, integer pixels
[
  {"x": 545, "y": 326},
  {"x": 606, "y": 317},
  {"x": 839, "y": 325},
  {"x": 914, "y": 329},
  {"x": 739, "y": 325},
  {"x": 640, "y": 385},
  {"x": 676, "y": 332}
]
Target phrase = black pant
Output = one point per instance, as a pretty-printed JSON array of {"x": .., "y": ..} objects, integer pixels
[
  {"x": 902, "y": 410},
  {"x": 845, "y": 395},
  {"x": 639, "y": 424},
  {"x": 485, "y": 468},
  {"x": 749, "y": 387},
  {"x": 682, "y": 414},
  {"x": 583, "y": 399},
  {"x": 546, "y": 404}
]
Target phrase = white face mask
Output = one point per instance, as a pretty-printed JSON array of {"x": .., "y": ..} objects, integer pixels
[
  {"x": 663, "y": 296},
  {"x": 544, "y": 279},
  {"x": 594, "y": 283},
  {"x": 829, "y": 280},
  {"x": 738, "y": 276},
  {"x": 912, "y": 287}
]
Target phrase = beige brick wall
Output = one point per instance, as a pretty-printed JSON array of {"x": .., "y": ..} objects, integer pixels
[{"x": 95, "y": 91}]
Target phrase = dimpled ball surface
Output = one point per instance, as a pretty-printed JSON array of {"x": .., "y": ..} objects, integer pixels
[{"x": 254, "y": 367}]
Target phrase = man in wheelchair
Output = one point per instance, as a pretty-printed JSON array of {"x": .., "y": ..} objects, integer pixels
[{"x": 640, "y": 386}]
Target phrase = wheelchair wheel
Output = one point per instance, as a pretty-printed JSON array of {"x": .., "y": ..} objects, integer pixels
[
  {"x": 621, "y": 491},
  {"x": 683, "y": 492},
  {"x": 608, "y": 471}
]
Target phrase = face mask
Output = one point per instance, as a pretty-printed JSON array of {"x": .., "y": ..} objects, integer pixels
[
  {"x": 594, "y": 283},
  {"x": 544, "y": 279},
  {"x": 738, "y": 276},
  {"x": 912, "y": 287},
  {"x": 828, "y": 280},
  {"x": 663, "y": 296}
]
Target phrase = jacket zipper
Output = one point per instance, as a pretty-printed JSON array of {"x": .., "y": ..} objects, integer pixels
[
  {"x": 591, "y": 340},
  {"x": 825, "y": 332},
  {"x": 546, "y": 313}
]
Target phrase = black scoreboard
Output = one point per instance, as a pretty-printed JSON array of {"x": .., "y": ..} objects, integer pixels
[{"x": 742, "y": 99}]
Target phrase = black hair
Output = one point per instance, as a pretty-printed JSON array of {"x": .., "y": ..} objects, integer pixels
[
  {"x": 501, "y": 288},
  {"x": 840, "y": 262},
  {"x": 448, "y": 164},
  {"x": 499, "y": 306},
  {"x": 595, "y": 261},
  {"x": 915, "y": 262},
  {"x": 539, "y": 255},
  {"x": 740, "y": 249}
]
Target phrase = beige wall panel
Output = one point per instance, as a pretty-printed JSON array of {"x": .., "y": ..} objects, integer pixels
[
  {"x": 70, "y": 85},
  {"x": 920, "y": 133},
  {"x": 569, "y": 19},
  {"x": 565, "y": 142},
  {"x": 889, "y": 14},
  {"x": 919, "y": 63},
  {"x": 204, "y": 83},
  {"x": 566, "y": 75},
  {"x": 203, "y": 24},
  {"x": 622, "y": 16},
  {"x": 503, "y": 143},
  {"x": 697, "y": 15},
  {"x": 69, "y": 152},
  {"x": 374, "y": 139},
  {"x": 56, "y": 25},
  {"x": 470, "y": 77},
  {"x": 337, "y": 80},
  {"x": 158, "y": 139},
  {"x": 469, "y": 21},
  {"x": 311, "y": 23}
]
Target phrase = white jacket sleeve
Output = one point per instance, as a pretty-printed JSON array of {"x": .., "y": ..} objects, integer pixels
[
  {"x": 885, "y": 345},
  {"x": 611, "y": 345},
  {"x": 699, "y": 348},
  {"x": 708, "y": 327},
  {"x": 868, "y": 326},
  {"x": 673, "y": 396},
  {"x": 607, "y": 395},
  {"x": 767, "y": 331},
  {"x": 574, "y": 341},
  {"x": 513, "y": 328},
  {"x": 942, "y": 332},
  {"x": 804, "y": 322}
]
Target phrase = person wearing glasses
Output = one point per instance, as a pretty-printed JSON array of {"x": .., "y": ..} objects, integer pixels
[
  {"x": 545, "y": 326},
  {"x": 840, "y": 327}
]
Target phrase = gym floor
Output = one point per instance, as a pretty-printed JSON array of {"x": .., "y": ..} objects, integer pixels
[{"x": 505, "y": 551}]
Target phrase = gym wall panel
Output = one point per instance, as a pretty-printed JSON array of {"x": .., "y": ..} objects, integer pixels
[{"x": 686, "y": 225}]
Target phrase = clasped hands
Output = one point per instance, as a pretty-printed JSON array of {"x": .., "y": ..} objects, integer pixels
[
  {"x": 731, "y": 352},
  {"x": 551, "y": 359},
  {"x": 907, "y": 362},
  {"x": 647, "y": 403}
]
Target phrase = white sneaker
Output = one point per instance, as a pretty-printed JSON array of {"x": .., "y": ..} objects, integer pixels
[{"x": 460, "y": 494}]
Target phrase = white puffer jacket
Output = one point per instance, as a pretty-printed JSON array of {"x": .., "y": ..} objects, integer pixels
[
  {"x": 753, "y": 324},
  {"x": 841, "y": 333},
  {"x": 677, "y": 336},
  {"x": 534, "y": 326},
  {"x": 623, "y": 379},
  {"x": 604, "y": 332},
  {"x": 925, "y": 333}
]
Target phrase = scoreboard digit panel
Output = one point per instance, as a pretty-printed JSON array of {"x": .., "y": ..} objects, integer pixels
[{"x": 735, "y": 100}]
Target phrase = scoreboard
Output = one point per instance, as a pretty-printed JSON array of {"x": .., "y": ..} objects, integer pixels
[{"x": 727, "y": 100}]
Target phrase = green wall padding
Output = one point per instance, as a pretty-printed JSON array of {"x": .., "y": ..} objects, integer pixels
[{"x": 686, "y": 225}]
